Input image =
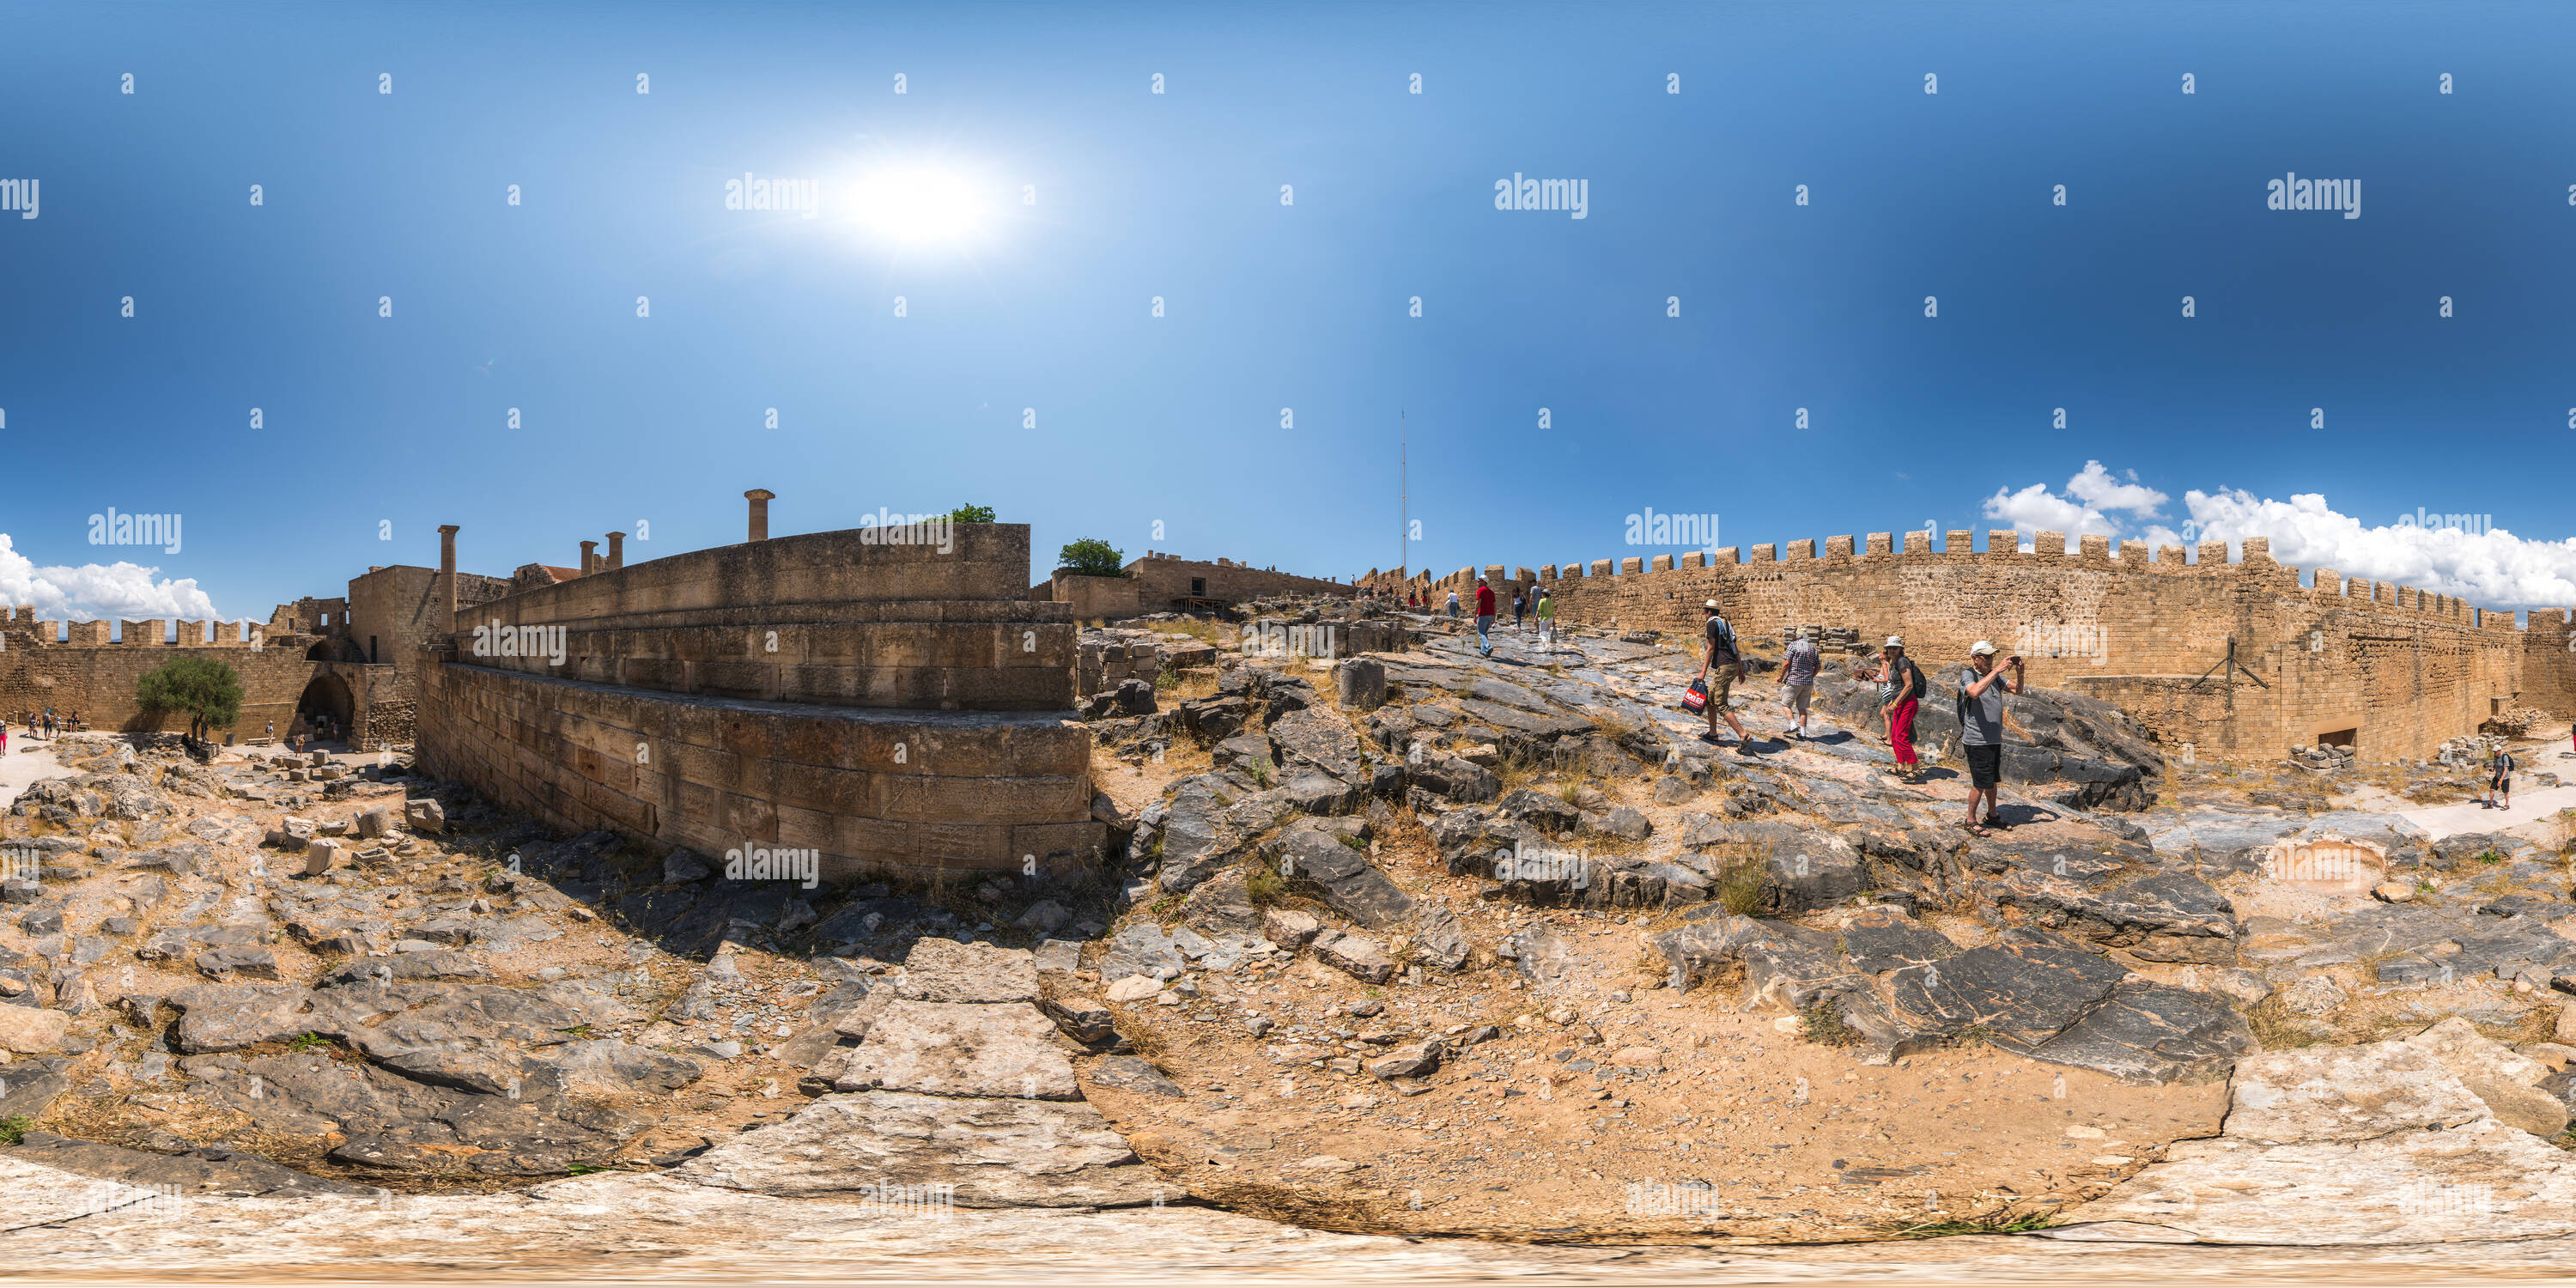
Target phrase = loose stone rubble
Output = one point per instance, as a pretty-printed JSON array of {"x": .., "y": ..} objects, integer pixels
[{"x": 1483, "y": 875}]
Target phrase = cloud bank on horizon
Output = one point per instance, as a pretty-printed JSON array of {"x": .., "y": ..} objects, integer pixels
[
  {"x": 2462, "y": 555},
  {"x": 93, "y": 592}
]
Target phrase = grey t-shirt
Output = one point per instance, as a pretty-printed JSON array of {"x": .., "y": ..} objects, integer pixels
[{"x": 1984, "y": 726}]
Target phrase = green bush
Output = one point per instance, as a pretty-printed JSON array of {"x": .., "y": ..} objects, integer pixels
[
  {"x": 1092, "y": 557},
  {"x": 207, "y": 690},
  {"x": 971, "y": 514}
]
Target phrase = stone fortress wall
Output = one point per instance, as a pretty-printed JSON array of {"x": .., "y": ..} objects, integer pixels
[
  {"x": 2391, "y": 669},
  {"x": 898, "y": 710},
  {"x": 1158, "y": 583},
  {"x": 76, "y": 666}
]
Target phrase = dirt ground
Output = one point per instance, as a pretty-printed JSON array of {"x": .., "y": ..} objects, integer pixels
[{"x": 1651, "y": 1114}]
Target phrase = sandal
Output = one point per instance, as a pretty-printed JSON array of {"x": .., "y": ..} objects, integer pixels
[{"x": 1974, "y": 830}]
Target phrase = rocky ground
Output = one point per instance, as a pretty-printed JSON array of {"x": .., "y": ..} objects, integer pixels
[{"x": 1426, "y": 943}]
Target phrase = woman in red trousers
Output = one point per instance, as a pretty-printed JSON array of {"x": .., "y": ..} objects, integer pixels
[{"x": 1900, "y": 696}]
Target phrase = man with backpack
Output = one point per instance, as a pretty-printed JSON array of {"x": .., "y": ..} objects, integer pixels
[
  {"x": 1982, "y": 686},
  {"x": 1718, "y": 672},
  {"x": 2500, "y": 780}
]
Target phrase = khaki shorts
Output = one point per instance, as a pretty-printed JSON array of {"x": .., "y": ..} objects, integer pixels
[{"x": 1721, "y": 681}]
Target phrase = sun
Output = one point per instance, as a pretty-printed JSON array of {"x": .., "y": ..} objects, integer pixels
[{"x": 917, "y": 205}]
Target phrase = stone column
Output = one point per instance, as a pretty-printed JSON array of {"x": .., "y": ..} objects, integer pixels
[
  {"x": 447, "y": 571},
  {"x": 616, "y": 550},
  {"x": 760, "y": 497},
  {"x": 589, "y": 557}
]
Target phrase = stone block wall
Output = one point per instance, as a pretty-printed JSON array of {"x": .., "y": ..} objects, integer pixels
[
  {"x": 822, "y": 618},
  {"x": 1160, "y": 579},
  {"x": 2402, "y": 669},
  {"x": 900, "y": 711},
  {"x": 878, "y": 793},
  {"x": 1095, "y": 598},
  {"x": 98, "y": 680}
]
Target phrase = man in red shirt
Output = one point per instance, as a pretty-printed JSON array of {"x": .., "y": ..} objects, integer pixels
[{"x": 1484, "y": 617}]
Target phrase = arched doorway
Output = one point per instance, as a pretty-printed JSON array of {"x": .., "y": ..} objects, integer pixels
[{"x": 326, "y": 697}]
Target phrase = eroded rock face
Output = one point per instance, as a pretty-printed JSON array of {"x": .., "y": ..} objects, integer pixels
[
  {"x": 944, "y": 970},
  {"x": 1903, "y": 987},
  {"x": 996, "y": 1152},
  {"x": 2378, "y": 1143},
  {"x": 962, "y": 1049},
  {"x": 2345, "y": 1093}
]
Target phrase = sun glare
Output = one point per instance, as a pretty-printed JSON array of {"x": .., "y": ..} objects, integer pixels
[{"x": 921, "y": 205}]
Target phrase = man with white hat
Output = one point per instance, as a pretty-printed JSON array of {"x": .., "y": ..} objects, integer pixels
[
  {"x": 1982, "y": 686},
  {"x": 1798, "y": 669},
  {"x": 1719, "y": 670}
]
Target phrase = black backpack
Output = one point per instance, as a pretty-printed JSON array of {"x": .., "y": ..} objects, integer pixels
[{"x": 1723, "y": 635}]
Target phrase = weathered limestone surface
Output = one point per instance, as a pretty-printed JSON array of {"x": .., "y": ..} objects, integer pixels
[{"x": 997, "y": 1152}]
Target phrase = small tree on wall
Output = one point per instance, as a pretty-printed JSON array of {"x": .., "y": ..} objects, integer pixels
[
  {"x": 971, "y": 514},
  {"x": 206, "y": 689},
  {"x": 1091, "y": 557}
]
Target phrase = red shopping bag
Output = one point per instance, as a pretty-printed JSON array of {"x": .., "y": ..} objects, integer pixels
[{"x": 1695, "y": 698}]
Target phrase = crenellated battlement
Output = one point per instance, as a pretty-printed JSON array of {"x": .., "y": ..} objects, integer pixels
[{"x": 2397, "y": 667}]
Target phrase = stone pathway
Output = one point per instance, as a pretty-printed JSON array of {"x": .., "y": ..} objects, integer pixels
[
  {"x": 2528, "y": 807},
  {"x": 21, "y": 767}
]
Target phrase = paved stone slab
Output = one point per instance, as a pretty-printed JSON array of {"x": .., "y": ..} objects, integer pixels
[
  {"x": 996, "y": 1152},
  {"x": 962, "y": 1049},
  {"x": 944, "y": 970}
]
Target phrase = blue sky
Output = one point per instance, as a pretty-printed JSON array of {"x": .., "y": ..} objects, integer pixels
[{"x": 371, "y": 421}]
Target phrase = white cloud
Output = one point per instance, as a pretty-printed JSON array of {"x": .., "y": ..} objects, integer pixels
[
  {"x": 2485, "y": 565},
  {"x": 2458, "y": 555},
  {"x": 2095, "y": 487},
  {"x": 94, "y": 591},
  {"x": 2095, "y": 490},
  {"x": 2036, "y": 509}
]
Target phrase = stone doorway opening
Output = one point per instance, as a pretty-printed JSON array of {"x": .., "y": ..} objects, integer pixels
[{"x": 326, "y": 698}]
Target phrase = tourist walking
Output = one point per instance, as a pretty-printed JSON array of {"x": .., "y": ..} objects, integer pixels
[
  {"x": 1484, "y": 617},
  {"x": 1798, "y": 679},
  {"x": 2500, "y": 779},
  {"x": 1719, "y": 669},
  {"x": 1547, "y": 620},
  {"x": 1517, "y": 604},
  {"x": 1453, "y": 605},
  {"x": 1982, "y": 686},
  {"x": 1900, "y": 699}
]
